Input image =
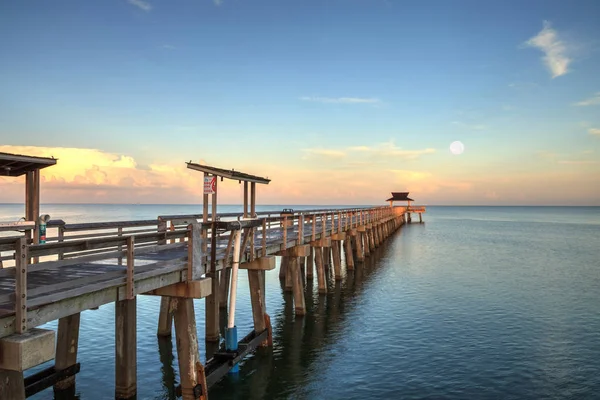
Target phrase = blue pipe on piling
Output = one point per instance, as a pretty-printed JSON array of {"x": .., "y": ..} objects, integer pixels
[{"x": 231, "y": 344}]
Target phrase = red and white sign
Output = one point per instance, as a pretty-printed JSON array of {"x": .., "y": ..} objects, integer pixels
[{"x": 210, "y": 184}]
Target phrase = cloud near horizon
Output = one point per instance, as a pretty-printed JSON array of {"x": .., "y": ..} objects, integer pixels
[
  {"x": 555, "y": 51},
  {"x": 380, "y": 151},
  {"x": 96, "y": 176}
]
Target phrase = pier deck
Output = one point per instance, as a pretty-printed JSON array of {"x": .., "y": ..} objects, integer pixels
[{"x": 82, "y": 280}]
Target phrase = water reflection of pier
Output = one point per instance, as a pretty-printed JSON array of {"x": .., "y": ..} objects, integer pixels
[{"x": 300, "y": 344}]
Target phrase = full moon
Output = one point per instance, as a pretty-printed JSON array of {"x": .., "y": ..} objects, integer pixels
[{"x": 457, "y": 148}]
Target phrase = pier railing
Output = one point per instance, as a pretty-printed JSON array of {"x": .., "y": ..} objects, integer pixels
[{"x": 89, "y": 243}]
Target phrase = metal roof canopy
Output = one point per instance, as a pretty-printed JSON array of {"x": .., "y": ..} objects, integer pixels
[
  {"x": 230, "y": 174},
  {"x": 17, "y": 164},
  {"x": 400, "y": 196}
]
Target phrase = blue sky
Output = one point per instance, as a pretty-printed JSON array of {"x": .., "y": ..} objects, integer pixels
[{"x": 200, "y": 79}]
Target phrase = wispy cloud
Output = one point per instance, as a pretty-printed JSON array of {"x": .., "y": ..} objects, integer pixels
[
  {"x": 218, "y": 2},
  {"x": 341, "y": 100},
  {"x": 578, "y": 162},
  {"x": 594, "y": 131},
  {"x": 327, "y": 153},
  {"x": 390, "y": 150},
  {"x": 168, "y": 47},
  {"x": 141, "y": 4},
  {"x": 592, "y": 101},
  {"x": 475, "y": 127},
  {"x": 369, "y": 154},
  {"x": 555, "y": 51}
]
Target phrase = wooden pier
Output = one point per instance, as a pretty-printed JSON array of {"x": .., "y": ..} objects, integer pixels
[{"x": 178, "y": 257}]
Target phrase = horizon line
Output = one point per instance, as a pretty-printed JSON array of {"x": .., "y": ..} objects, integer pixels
[{"x": 315, "y": 204}]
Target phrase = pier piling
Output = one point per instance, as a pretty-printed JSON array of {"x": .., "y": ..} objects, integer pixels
[{"x": 125, "y": 349}]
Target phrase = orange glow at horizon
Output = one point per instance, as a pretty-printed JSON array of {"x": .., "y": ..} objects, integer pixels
[{"x": 94, "y": 176}]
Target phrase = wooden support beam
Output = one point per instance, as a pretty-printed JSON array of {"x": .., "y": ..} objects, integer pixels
[
  {"x": 260, "y": 264},
  {"x": 256, "y": 281},
  {"x": 191, "y": 372},
  {"x": 327, "y": 256},
  {"x": 211, "y": 311},
  {"x": 225, "y": 278},
  {"x": 289, "y": 275},
  {"x": 299, "y": 251},
  {"x": 298, "y": 290},
  {"x": 125, "y": 349},
  {"x": 283, "y": 265},
  {"x": 309, "y": 263},
  {"x": 320, "y": 270},
  {"x": 323, "y": 242},
  {"x": 338, "y": 236},
  {"x": 337, "y": 264},
  {"x": 348, "y": 253},
  {"x": 165, "y": 317},
  {"x": 198, "y": 289},
  {"x": 359, "y": 247},
  {"x": 66, "y": 349},
  {"x": 12, "y": 385}
]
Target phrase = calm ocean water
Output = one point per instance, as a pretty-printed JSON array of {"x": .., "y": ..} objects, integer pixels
[{"x": 477, "y": 303}]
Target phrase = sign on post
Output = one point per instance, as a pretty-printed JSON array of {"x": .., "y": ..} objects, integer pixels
[{"x": 210, "y": 184}]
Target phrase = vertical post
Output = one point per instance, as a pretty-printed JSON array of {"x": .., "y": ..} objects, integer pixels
[
  {"x": 61, "y": 238},
  {"x": 125, "y": 349},
  {"x": 309, "y": 263},
  {"x": 191, "y": 371},
  {"x": 256, "y": 279},
  {"x": 21, "y": 261},
  {"x": 348, "y": 251},
  {"x": 252, "y": 199},
  {"x": 130, "y": 268},
  {"x": 359, "y": 246},
  {"x": 299, "y": 305},
  {"x": 264, "y": 238},
  {"x": 119, "y": 247},
  {"x": 165, "y": 316},
  {"x": 320, "y": 270},
  {"x": 301, "y": 229},
  {"x": 337, "y": 264},
  {"x": 66, "y": 349},
  {"x": 212, "y": 302},
  {"x": 284, "y": 233},
  {"x": 225, "y": 275},
  {"x": 245, "y": 199}
]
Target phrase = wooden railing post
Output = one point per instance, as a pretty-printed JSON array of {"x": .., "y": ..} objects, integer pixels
[
  {"x": 130, "y": 268},
  {"x": 264, "y": 238},
  {"x": 284, "y": 245},
  {"x": 61, "y": 238},
  {"x": 119, "y": 247},
  {"x": 21, "y": 261}
]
